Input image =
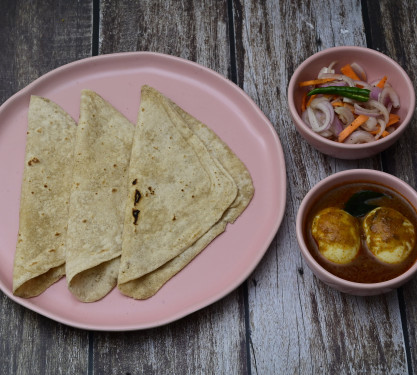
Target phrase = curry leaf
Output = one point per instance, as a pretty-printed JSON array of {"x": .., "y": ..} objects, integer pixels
[{"x": 357, "y": 204}]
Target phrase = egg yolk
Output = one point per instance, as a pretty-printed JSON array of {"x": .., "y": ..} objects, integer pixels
[{"x": 337, "y": 235}]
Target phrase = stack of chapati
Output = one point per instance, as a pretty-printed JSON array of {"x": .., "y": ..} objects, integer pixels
[{"x": 124, "y": 205}]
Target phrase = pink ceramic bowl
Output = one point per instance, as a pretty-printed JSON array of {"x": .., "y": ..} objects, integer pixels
[
  {"x": 376, "y": 65},
  {"x": 349, "y": 176}
]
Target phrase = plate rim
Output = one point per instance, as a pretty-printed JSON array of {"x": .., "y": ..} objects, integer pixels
[{"x": 267, "y": 241}]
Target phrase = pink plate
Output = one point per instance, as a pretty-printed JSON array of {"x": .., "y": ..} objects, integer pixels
[{"x": 216, "y": 101}]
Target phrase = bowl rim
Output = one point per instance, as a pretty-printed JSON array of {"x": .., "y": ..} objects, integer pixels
[
  {"x": 358, "y": 174},
  {"x": 343, "y": 146}
]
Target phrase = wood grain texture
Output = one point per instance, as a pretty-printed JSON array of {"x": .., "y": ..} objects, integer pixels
[
  {"x": 193, "y": 30},
  {"x": 299, "y": 325},
  {"x": 397, "y": 40},
  {"x": 37, "y": 37},
  {"x": 32, "y": 344},
  {"x": 211, "y": 340}
]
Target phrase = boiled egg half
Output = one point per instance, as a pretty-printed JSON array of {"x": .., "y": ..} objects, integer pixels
[
  {"x": 337, "y": 235},
  {"x": 390, "y": 236}
]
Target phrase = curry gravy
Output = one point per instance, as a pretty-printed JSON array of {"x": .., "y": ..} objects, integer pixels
[{"x": 365, "y": 268}]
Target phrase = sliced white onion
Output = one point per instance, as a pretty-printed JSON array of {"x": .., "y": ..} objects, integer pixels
[
  {"x": 380, "y": 107},
  {"x": 340, "y": 77},
  {"x": 319, "y": 114},
  {"x": 318, "y": 99},
  {"x": 328, "y": 69},
  {"x": 389, "y": 95},
  {"x": 332, "y": 64},
  {"x": 359, "y": 136},
  {"x": 326, "y": 134},
  {"x": 348, "y": 100},
  {"x": 358, "y": 70},
  {"x": 345, "y": 115},
  {"x": 382, "y": 125},
  {"x": 326, "y": 108},
  {"x": 370, "y": 124},
  {"x": 374, "y": 112},
  {"x": 312, "y": 119},
  {"x": 325, "y": 69},
  {"x": 304, "y": 117}
]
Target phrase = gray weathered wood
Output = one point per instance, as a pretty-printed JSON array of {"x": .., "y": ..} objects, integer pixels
[
  {"x": 37, "y": 37},
  {"x": 299, "y": 325},
  {"x": 397, "y": 40},
  {"x": 206, "y": 342}
]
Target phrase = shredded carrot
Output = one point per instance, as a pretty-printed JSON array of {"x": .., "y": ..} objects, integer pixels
[
  {"x": 381, "y": 83},
  {"x": 349, "y": 72},
  {"x": 375, "y": 132},
  {"x": 385, "y": 133},
  {"x": 337, "y": 104},
  {"x": 310, "y": 100},
  {"x": 393, "y": 119},
  {"x": 314, "y": 82},
  {"x": 358, "y": 121}
]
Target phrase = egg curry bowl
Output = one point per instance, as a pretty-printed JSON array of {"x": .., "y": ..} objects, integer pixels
[{"x": 357, "y": 231}]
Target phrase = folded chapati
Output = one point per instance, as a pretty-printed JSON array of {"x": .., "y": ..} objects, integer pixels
[
  {"x": 98, "y": 198},
  {"x": 40, "y": 251},
  {"x": 147, "y": 285},
  {"x": 178, "y": 195}
]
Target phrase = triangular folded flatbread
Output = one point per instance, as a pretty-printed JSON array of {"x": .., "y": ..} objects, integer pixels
[
  {"x": 98, "y": 198},
  {"x": 40, "y": 251},
  {"x": 147, "y": 285},
  {"x": 178, "y": 195}
]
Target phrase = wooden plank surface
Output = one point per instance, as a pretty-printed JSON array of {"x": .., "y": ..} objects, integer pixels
[
  {"x": 397, "y": 40},
  {"x": 37, "y": 37},
  {"x": 282, "y": 320},
  {"x": 299, "y": 325}
]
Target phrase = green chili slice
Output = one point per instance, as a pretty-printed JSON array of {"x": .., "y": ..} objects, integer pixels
[{"x": 356, "y": 93}]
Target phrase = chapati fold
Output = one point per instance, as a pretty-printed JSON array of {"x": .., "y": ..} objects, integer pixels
[
  {"x": 40, "y": 251},
  {"x": 147, "y": 285},
  {"x": 98, "y": 198},
  {"x": 178, "y": 192}
]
